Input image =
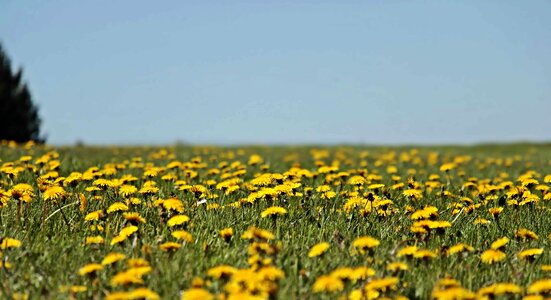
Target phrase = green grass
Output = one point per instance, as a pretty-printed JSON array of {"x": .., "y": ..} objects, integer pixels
[{"x": 52, "y": 254}]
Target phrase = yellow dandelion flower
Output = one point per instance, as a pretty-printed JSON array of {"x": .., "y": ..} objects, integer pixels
[
  {"x": 94, "y": 240},
  {"x": 127, "y": 190},
  {"x": 327, "y": 284},
  {"x": 459, "y": 248},
  {"x": 126, "y": 278},
  {"x": 481, "y": 221},
  {"x": 94, "y": 216},
  {"x": 197, "y": 294},
  {"x": 270, "y": 273},
  {"x": 273, "y": 211},
  {"x": 361, "y": 273},
  {"x": 256, "y": 233},
  {"x": 365, "y": 243},
  {"x": 226, "y": 233},
  {"x": 407, "y": 251},
  {"x": 524, "y": 233},
  {"x": 112, "y": 258},
  {"x": 118, "y": 239},
  {"x": 491, "y": 256},
  {"x": 397, "y": 266},
  {"x": 498, "y": 289},
  {"x": 447, "y": 167},
  {"x": 89, "y": 269},
  {"x": 170, "y": 246},
  {"x": 425, "y": 254},
  {"x": 343, "y": 273},
  {"x": 382, "y": 284},
  {"x": 542, "y": 286},
  {"x": 177, "y": 220},
  {"x": 128, "y": 230},
  {"x": 318, "y": 249},
  {"x": 7, "y": 243},
  {"x": 134, "y": 217},
  {"x": 413, "y": 193},
  {"x": 22, "y": 191},
  {"x": 530, "y": 253},
  {"x": 182, "y": 235},
  {"x": 545, "y": 268},
  {"x": 117, "y": 206},
  {"x": 425, "y": 213},
  {"x": 457, "y": 292},
  {"x": 54, "y": 193},
  {"x": 137, "y": 262},
  {"x": 173, "y": 204},
  {"x": 357, "y": 180},
  {"x": 499, "y": 243},
  {"x": 495, "y": 211},
  {"x": 221, "y": 271}
]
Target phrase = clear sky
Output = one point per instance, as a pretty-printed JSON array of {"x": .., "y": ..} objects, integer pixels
[{"x": 123, "y": 72}]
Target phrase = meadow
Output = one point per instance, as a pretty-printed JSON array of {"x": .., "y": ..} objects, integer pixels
[{"x": 326, "y": 222}]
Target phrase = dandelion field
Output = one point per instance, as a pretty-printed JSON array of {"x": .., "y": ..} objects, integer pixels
[{"x": 275, "y": 222}]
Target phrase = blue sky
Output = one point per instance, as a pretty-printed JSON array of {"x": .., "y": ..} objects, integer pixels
[{"x": 377, "y": 72}]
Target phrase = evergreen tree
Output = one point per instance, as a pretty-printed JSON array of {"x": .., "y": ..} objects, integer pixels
[{"x": 19, "y": 120}]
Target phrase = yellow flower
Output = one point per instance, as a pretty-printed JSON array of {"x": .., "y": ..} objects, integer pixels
[
  {"x": 112, "y": 258},
  {"x": 273, "y": 211},
  {"x": 54, "y": 193},
  {"x": 7, "y": 243},
  {"x": 425, "y": 254},
  {"x": 128, "y": 230},
  {"x": 397, "y": 266},
  {"x": 452, "y": 293},
  {"x": 357, "y": 180},
  {"x": 499, "y": 243},
  {"x": 137, "y": 262},
  {"x": 256, "y": 233},
  {"x": 407, "y": 251},
  {"x": 498, "y": 289},
  {"x": 542, "y": 286},
  {"x": 447, "y": 167},
  {"x": 413, "y": 193},
  {"x": 361, "y": 273},
  {"x": 125, "y": 278},
  {"x": 270, "y": 273},
  {"x": 94, "y": 240},
  {"x": 173, "y": 204},
  {"x": 365, "y": 243},
  {"x": 170, "y": 246},
  {"x": 177, "y": 220},
  {"x": 530, "y": 253},
  {"x": 524, "y": 233},
  {"x": 94, "y": 216},
  {"x": 318, "y": 249},
  {"x": 117, "y": 206},
  {"x": 226, "y": 233},
  {"x": 118, "y": 239},
  {"x": 495, "y": 211},
  {"x": 458, "y": 248},
  {"x": 197, "y": 294},
  {"x": 127, "y": 190},
  {"x": 327, "y": 284},
  {"x": 133, "y": 217},
  {"x": 22, "y": 191},
  {"x": 221, "y": 271},
  {"x": 90, "y": 268},
  {"x": 183, "y": 235},
  {"x": 425, "y": 213},
  {"x": 255, "y": 159},
  {"x": 382, "y": 284},
  {"x": 491, "y": 256}
]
